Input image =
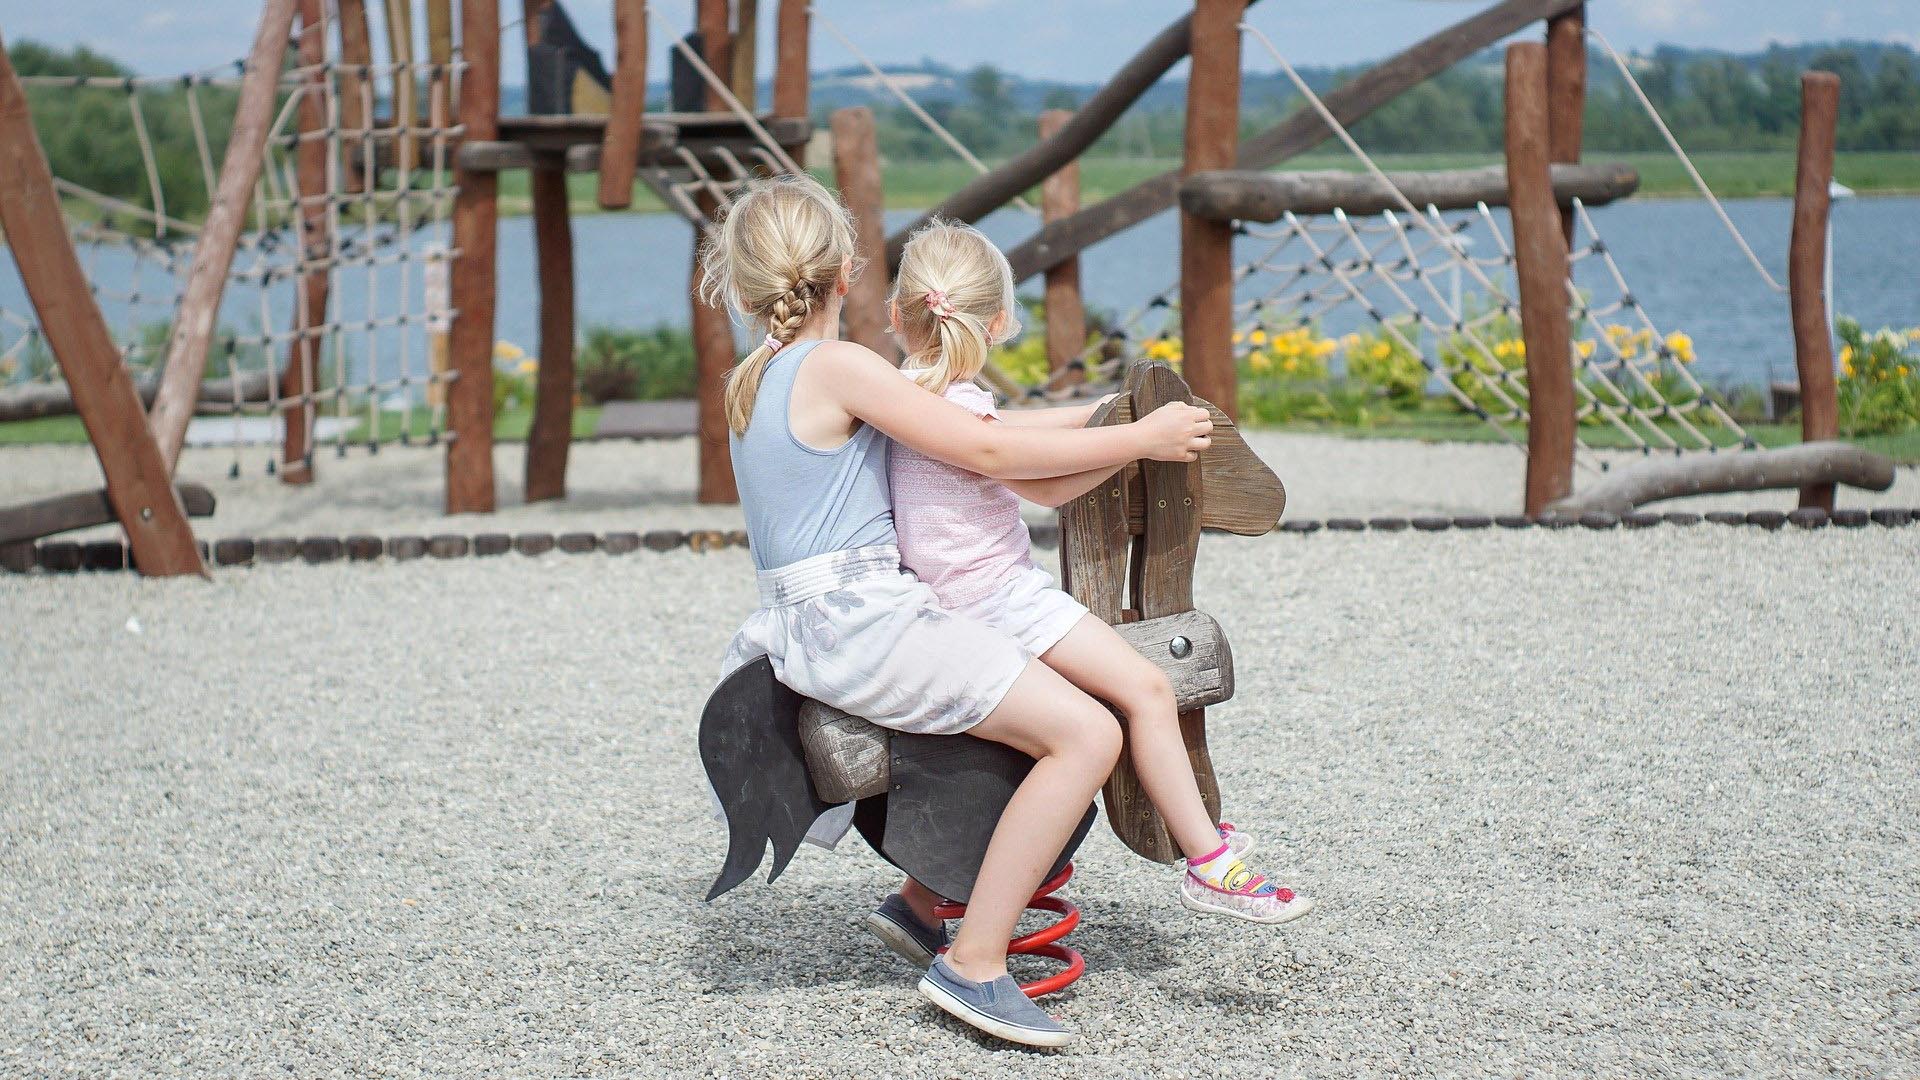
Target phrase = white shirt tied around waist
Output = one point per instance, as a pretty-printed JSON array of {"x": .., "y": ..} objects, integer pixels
[{"x": 959, "y": 532}]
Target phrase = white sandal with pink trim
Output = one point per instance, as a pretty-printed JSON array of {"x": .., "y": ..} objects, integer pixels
[{"x": 1271, "y": 906}]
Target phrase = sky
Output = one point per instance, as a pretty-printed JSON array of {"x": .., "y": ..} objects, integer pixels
[{"x": 1068, "y": 40}]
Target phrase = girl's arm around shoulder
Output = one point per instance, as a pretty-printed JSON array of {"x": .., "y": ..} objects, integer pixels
[
  {"x": 870, "y": 389},
  {"x": 1068, "y": 416},
  {"x": 1058, "y": 491}
]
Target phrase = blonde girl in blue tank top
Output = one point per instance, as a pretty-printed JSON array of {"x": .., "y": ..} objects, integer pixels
[{"x": 840, "y": 621}]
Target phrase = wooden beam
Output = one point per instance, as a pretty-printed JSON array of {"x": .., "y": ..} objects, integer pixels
[
  {"x": 713, "y": 17},
  {"x": 1657, "y": 479},
  {"x": 56, "y": 399},
  {"x": 1540, "y": 258},
  {"x": 620, "y": 147},
  {"x": 1567, "y": 92},
  {"x": 1302, "y": 131},
  {"x": 404, "y": 99},
  {"x": 1237, "y": 195},
  {"x": 856, "y": 168},
  {"x": 199, "y": 306},
  {"x": 300, "y": 377},
  {"x": 471, "y": 285},
  {"x": 1065, "y": 308},
  {"x": 551, "y": 435},
  {"x": 1206, "y": 247},
  {"x": 791, "y": 77},
  {"x": 983, "y": 194},
  {"x": 82, "y": 510},
  {"x": 143, "y": 500},
  {"x": 440, "y": 56},
  {"x": 746, "y": 41},
  {"x": 355, "y": 89},
  {"x": 1807, "y": 269},
  {"x": 713, "y": 357}
]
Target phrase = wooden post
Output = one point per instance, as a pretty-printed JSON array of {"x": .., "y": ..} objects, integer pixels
[
  {"x": 620, "y": 146},
  {"x": 1066, "y": 311},
  {"x": 713, "y": 357},
  {"x": 213, "y": 254},
  {"x": 716, "y": 50},
  {"x": 1540, "y": 256},
  {"x": 356, "y": 91},
  {"x": 746, "y": 39},
  {"x": 310, "y": 310},
  {"x": 552, "y": 432},
  {"x": 856, "y": 168},
  {"x": 1206, "y": 247},
  {"x": 1567, "y": 92},
  {"x": 470, "y": 397},
  {"x": 137, "y": 473},
  {"x": 790, "y": 75},
  {"x": 440, "y": 55},
  {"x": 1807, "y": 269},
  {"x": 406, "y": 107}
]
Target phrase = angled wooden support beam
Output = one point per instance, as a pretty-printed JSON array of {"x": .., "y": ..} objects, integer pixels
[
  {"x": 620, "y": 146},
  {"x": 137, "y": 473},
  {"x": 213, "y": 255},
  {"x": 1298, "y": 133}
]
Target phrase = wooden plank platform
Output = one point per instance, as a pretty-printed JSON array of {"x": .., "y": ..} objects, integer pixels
[{"x": 579, "y": 138}]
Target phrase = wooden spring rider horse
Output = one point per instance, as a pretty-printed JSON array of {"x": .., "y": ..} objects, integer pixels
[{"x": 929, "y": 803}]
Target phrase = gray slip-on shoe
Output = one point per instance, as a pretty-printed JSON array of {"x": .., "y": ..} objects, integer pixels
[
  {"x": 895, "y": 924},
  {"x": 997, "y": 1008}
]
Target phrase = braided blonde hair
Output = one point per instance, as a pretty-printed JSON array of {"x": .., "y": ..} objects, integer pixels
[
  {"x": 775, "y": 258},
  {"x": 952, "y": 284}
]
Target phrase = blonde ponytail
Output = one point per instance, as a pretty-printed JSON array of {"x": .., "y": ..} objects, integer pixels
[
  {"x": 953, "y": 284},
  {"x": 775, "y": 259}
]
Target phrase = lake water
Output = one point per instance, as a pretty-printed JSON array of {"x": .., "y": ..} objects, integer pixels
[{"x": 632, "y": 271}]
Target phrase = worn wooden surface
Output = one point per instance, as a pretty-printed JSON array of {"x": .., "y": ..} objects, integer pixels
[
  {"x": 746, "y": 44},
  {"x": 620, "y": 146},
  {"x": 1655, "y": 479},
  {"x": 1065, "y": 308},
  {"x": 1350, "y": 103},
  {"x": 1540, "y": 264},
  {"x": 1204, "y": 676},
  {"x": 1206, "y": 246},
  {"x": 551, "y": 433},
  {"x": 199, "y": 306},
  {"x": 1094, "y": 542},
  {"x": 1567, "y": 93},
  {"x": 713, "y": 357},
  {"x": 983, "y": 194},
  {"x": 1245, "y": 497},
  {"x": 304, "y": 353},
  {"x": 82, "y": 510},
  {"x": 470, "y": 341},
  {"x": 1807, "y": 269},
  {"x": 1245, "y": 195},
  {"x": 355, "y": 90},
  {"x": 403, "y": 96},
  {"x": 137, "y": 473},
  {"x": 856, "y": 169}
]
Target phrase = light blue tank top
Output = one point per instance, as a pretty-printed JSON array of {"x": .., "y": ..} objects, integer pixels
[{"x": 799, "y": 501}]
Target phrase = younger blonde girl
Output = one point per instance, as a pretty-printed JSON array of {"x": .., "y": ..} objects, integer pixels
[
  {"x": 840, "y": 621},
  {"x": 962, "y": 534}
]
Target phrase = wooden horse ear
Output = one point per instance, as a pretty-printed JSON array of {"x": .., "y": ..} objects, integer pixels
[{"x": 1244, "y": 496}]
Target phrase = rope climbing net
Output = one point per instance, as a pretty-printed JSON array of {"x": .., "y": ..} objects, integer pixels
[
  {"x": 1433, "y": 300},
  {"x": 335, "y": 307}
]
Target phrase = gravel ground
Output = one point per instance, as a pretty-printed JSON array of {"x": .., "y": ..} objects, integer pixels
[
  {"x": 1572, "y": 803},
  {"x": 643, "y": 485}
]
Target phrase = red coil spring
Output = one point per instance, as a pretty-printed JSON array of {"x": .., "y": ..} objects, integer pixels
[{"x": 1044, "y": 941}]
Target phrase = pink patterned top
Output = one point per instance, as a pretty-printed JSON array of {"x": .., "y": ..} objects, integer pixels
[{"x": 959, "y": 532}]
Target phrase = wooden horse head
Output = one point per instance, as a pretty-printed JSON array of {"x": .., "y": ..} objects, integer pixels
[{"x": 1134, "y": 538}]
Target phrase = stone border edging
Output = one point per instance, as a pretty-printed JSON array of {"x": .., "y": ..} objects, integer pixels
[{"x": 68, "y": 556}]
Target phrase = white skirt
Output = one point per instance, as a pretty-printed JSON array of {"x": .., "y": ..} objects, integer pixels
[
  {"x": 851, "y": 629},
  {"x": 1028, "y": 609}
]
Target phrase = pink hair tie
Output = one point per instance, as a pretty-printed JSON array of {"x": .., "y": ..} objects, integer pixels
[
  {"x": 938, "y": 303},
  {"x": 774, "y": 343}
]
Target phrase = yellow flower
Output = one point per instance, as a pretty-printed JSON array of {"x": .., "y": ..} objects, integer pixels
[
  {"x": 1681, "y": 346},
  {"x": 1259, "y": 361},
  {"x": 1325, "y": 348},
  {"x": 507, "y": 350},
  {"x": 529, "y": 366},
  {"x": 1586, "y": 350},
  {"x": 1258, "y": 336},
  {"x": 1239, "y": 338},
  {"x": 1902, "y": 371}
]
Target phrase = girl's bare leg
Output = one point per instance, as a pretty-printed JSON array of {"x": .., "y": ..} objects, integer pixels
[
  {"x": 1099, "y": 661},
  {"x": 921, "y": 899},
  {"x": 1074, "y": 742}
]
